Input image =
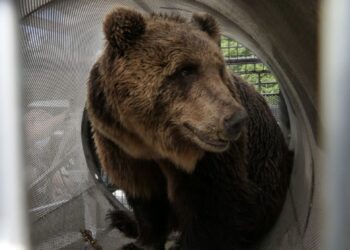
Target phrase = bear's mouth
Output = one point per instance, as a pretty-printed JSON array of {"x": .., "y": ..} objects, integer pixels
[{"x": 218, "y": 144}]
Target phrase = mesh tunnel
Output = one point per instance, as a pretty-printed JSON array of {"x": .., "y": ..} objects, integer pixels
[{"x": 60, "y": 41}]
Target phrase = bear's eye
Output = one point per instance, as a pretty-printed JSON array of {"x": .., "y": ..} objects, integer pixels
[{"x": 185, "y": 71}]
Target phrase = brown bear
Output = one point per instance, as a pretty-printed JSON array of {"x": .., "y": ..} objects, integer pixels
[{"x": 195, "y": 148}]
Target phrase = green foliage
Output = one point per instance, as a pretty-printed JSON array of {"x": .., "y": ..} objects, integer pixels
[{"x": 253, "y": 71}]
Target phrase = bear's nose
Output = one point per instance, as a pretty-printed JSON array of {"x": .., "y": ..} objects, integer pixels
[{"x": 233, "y": 124}]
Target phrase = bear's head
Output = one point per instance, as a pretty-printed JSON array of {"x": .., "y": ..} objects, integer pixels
[{"x": 160, "y": 90}]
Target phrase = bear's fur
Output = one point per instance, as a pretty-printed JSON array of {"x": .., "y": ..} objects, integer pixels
[{"x": 194, "y": 148}]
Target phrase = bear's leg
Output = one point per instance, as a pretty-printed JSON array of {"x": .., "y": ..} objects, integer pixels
[
  {"x": 152, "y": 216},
  {"x": 124, "y": 221},
  {"x": 149, "y": 224}
]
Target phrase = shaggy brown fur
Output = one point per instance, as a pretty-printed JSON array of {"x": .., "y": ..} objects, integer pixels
[{"x": 168, "y": 123}]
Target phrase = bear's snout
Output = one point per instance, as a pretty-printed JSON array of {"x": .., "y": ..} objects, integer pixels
[{"x": 233, "y": 124}]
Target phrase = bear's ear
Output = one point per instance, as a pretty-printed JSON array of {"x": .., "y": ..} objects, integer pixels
[
  {"x": 122, "y": 27},
  {"x": 208, "y": 24}
]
